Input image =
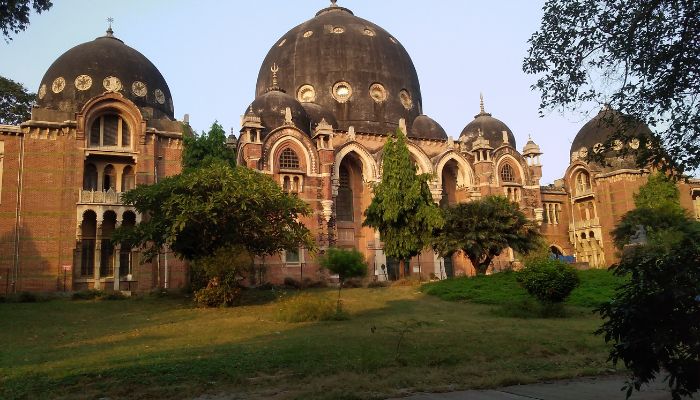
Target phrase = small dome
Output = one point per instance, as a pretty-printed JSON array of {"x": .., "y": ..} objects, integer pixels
[
  {"x": 531, "y": 148},
  {"x": 105, "y": 64},
  {"x": 607, "y": 123},
  {"x": 425, "y": 127},
  {"x": 271, "y": 108},
  {"x": 317, "y": 113},
  {"x": 491, "y": 128}
]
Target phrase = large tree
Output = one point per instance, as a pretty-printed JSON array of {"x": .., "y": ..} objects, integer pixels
[
  {"x": 206, "y": 209},
  {"x": 14, "y": 14},
  {"x": 402, "y": 209},
  {"x": 653, "y": 320},
  {"x": 482, "y": 229},
  {"x": 15, "y": 102},
  {"x": 640, "y": 57},
  {"x": 200, "y": 150}
]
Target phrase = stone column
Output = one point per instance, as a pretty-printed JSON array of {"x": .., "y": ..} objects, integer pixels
[
  {"x": 117, "y": 259},
  {"x": 98, "y": 253}
]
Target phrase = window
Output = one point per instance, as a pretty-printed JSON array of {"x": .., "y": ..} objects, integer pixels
[
  {"x": 90, "y": 177},
  {"x": 343, "y": 203},
  {"x": 289, "y": 159},
  {"x": 583, "y": 183},
  {"x": 291, "y": 257},
  {"x": 109, "y": 180},
  {"x": 110, "y": 130},
  {"x": 507, "y": 174},
  {"x": 128, "y": 178}
]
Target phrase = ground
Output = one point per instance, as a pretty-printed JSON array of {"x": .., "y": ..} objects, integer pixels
[{"x": 166, "y": 348}]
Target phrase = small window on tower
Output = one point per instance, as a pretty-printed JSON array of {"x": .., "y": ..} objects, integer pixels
[
  {"x": 289, "y": 159},
  {"x": 507, "y": 173}
]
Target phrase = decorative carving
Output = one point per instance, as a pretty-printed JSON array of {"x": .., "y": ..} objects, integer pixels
[
  {"x": 377, "y": 92},
  {"x": 406, "y": 99},
  {"x": 58, "y": 84},
  {"x": 83, "y": 82},
  {"x": 42, "y": 91},
  {"x": 160, "y": 97},
  {"x": 139, "y": 89},
  {"x": 112, "y": 84}
]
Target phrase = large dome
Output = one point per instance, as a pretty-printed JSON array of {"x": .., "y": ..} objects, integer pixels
[
  {"x": 349, "y": 66},
  {"x": 607, "y": 123},
  {"x": 490, "y": 127},
  {"x": 105, "y": 64}
]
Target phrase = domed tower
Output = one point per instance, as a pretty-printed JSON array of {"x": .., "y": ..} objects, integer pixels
[
  {"x": 349, "y": 67},
  {"x": 103, "y": 123},
  {"x": 490, "y": 128}
]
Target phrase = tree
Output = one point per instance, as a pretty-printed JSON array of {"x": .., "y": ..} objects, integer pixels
[
  {"x": 347, "y": 263},
  {"x": 200, "y": 150},
  {"x": 14, "y": 14},
  {"x": 641, "y": 57},
  {"x": 482, "y": 229},
  {"x": 206, "y": 209},
  {"x": 15, "y": 102},
  {"x": 402, "y": 209},
  {"x": 652, "y": 320}
]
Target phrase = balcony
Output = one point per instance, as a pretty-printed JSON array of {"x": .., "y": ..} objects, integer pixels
[
  {"x": 583, "y": 192},
  {"x": 100, "y": 197},
  {"x": 590, "y": 223}
]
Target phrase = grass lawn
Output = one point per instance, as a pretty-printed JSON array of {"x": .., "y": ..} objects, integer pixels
[
  {"x": 597, "y": 285},
  {"x": 166, "y": 348}
]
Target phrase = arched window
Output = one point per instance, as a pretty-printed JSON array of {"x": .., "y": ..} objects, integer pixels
[
  {"x": 109, "y": 180},
  {"x": 343, "y": 203},
  {"x": 110, "y": 130},
  {"x": 583, "y": 182},
  {"x": 88, "y": 229},
  {"x": 507, "y": 174},
  {"x": 90, "y": 177},
  {"x": 289, "y": 159},
  {"x": 128, "y": 178}
]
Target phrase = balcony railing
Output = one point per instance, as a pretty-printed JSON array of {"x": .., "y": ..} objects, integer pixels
[
  {"x": 99, "y": 197},
  {"x": 590, "y": 223},
  {"x": 583, "y": 191}
]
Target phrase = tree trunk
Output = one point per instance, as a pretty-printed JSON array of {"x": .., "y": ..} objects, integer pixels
[
  {"x": 402, "y": 272},
  {"x": 480, "y": 267}
]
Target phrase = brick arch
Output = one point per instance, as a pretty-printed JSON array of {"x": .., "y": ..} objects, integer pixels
[
  {"x": 465, "y": 173},
  {"x": 274, "y": 142},
  {"x": 513, "y": 162},
  {"x": 370, "y": 170},
  {"x": 114, "y": 103}
]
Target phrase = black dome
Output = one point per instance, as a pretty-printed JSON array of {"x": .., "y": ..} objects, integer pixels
[
  {"x": 491, "y": 128},
  {"x": 317, "y": 113},
  {"x": 336, "y": 47},
  {"x": 82, "y": 73},
  {"x": 425, "y": 127},
  {"x": 607, "y": 123},
  {"x": 271, "y": 107}
]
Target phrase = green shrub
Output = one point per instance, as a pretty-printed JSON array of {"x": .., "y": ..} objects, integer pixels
[
  {"x": 306, "y": 307},
  {"x": 218, "y": 296},
  {"x": 89, "y": 294},
  {"x": 353, "y": 283},
  {"x": 548, "y": 280},
  {"x": 347, "y": 263},
  {"x": 27, "y": 297},
  {"x": 378, "y": 284},
  {"x": 224, "y": 269},
  {"x": 112, "y": 296},
  {"x": 292, "y": 283}
]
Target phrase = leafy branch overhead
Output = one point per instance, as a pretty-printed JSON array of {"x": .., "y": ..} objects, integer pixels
[
  {"x": 15, "y": 102},
  {"x": 14, "y": 14},
  {"x": 640, "y": 57}
]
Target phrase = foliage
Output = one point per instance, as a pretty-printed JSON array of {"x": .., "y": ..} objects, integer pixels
[
  {"x": 305, "y": 307},
  {"x": 89, "y": 294},
  {"x": 401, "y": 329},
  {"x": 660, "y": 191},
  {"x": 347, "y": 263},
  {"x": 597, "y": 286},
  {"x": 14, "y": 14},
  {"x": 402, "y": 209},
  {"x": 15, "y": 102},
  {"x": 530, "y": 308},
  {"x": 224, "y": 270},
  {"x": 652, "y": 321},
  {"x": 205, "y": 209},
  {"x": 641, "y": 57},
  {"x": 201, "y": 150},
  {"x": 481, "y": 229},
  {"x": 548, "y": 280}
]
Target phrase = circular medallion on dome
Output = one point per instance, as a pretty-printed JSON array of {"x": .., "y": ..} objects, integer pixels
[
  {"x": 306, "y": 94},
  {"x": 406, "y": 99},
  {"x": 583, "y": 153},
  {"x": 617, "y": 145},
  {"x": 598, "y": 148},
  {"x": 160, "y": 97},
  {"x": 112, "y": 84},
  {"x": 377, "y": 92},
  {"x": 308, "y": 33},
  {"x": 368, "y": 32},
  {"x": 83, "y": 82},
  {"x": 139, "y": 89},
  {"x": 282, "y": 43},
  {"x": 58, "y": 84},
  {"x": 42, "y": 91},
  {"x": 634, "y": 143},
  {"x": 338, "y": 29},
  {"x": 342, "y": 92}
]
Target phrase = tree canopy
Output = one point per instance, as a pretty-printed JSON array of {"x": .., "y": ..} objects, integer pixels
[
  {"x": 402, "y": 209},
  {"x": 15, "y": 102},
  {"x": 482, "y": 229},
  {"x": 205, "y": 209},
  {"x": 640, "y": 57},
  {"x": 200, "y": 150},
  {"x": 14, "y": 14}
]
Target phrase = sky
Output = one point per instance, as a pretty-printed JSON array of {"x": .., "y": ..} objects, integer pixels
[{"x": 210, "y": 52}]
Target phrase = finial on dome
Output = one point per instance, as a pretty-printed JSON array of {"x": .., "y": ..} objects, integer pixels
[
  {"x": 481, "y": 103},
  {"x": 333, "y": 3},
  {"x": 274, "y": 68},
  {"x": 110, "y": 32}
]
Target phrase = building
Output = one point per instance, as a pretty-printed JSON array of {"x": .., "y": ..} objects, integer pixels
[{"x": 328, "y": 93}]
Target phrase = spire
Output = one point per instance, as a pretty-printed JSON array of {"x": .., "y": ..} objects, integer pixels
[
  {"x": 481, "y": 103},
  {"x": 333, "y": 3},
  {"x": 274, "y": 68},
  {"x": 110, "y": 32}
]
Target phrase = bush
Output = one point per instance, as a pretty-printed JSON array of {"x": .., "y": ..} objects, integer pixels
[
  {"x": 112, "y": 296},
  {"x": 27, "y": 297},
  {"x": 347, "y": 263},
  {"x": 224, "y": 269},
  {"x": 548, "y": 280},
  {"x": 218, "y": 296},
  {"x": 89, "y": 294},
  {"x": 353, "y": 283},
  {"x": 306, "y": 307},
  {"x": 292, "y": 283},
  {"x": 378, "y": 284}
]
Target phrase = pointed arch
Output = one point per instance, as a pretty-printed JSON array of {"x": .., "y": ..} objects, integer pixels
[
  {"x": 370, "y": 170},
  {"x": 513, "y": 162},
  {"x": 465, "y": 173}
]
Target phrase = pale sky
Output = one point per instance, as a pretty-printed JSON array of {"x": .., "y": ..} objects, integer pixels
[{"x": 210, "y": 52}]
